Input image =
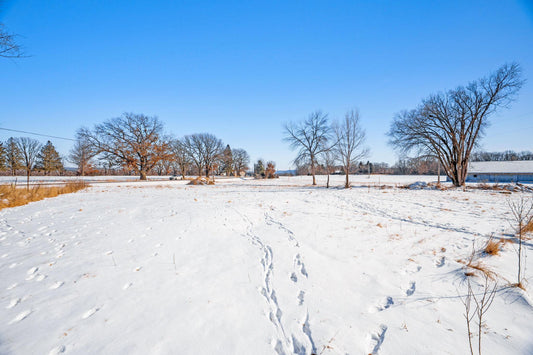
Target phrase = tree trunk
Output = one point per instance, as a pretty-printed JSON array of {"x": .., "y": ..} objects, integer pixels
[
  {"x": 313, "y": 171},
  {"x": 28, "y": 172},
  {"x": 327, "y": 184},
  {"x": 143, "y": 175},
  {"x": 347, "y": 182}
]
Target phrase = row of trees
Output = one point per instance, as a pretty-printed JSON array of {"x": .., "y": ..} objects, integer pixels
[
  {"x": 507, "y": 155},
  {"x": 321, "y": 142},
  {"x": 29, "y": 154},
  {"x": 137, "y": 142}
]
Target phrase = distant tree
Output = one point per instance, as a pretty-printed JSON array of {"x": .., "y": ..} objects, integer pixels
[
  {"x": 329, "y": 159},
  {"x": 3, "y": 157},
  {"x": 29, "y": 149},
  {"x": 310, "y": 137},
  {"x": 350, "y": 138},
  {"x": 9, "y": 48},
  {"x": 136, "y": 140},
  {"x": 241, "y": 159},
  {"x": 204, "y": 149},
  {"x": 259, "y": 168},
  {"x": 13, "y": 156},
  {"x": 227, "y": 161},
  {"x": 82, "y": 154},
  {"x": 270, "y": 171},
  {"x": 49, "y": 160},
  {"x": 448, "y": 125},
  {"x": 180, "y": 156}
]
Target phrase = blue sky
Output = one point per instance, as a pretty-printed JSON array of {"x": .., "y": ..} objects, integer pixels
[{"x": 241, "y": 69}]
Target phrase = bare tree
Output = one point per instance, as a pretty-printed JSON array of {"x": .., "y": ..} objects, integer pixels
[
  {"x": 350, "y": 139},
  {"x": 180, "y": 156},
  {"x": 329, "y": 159},
  {"x": 9, "y": 48},
  {"x": 241, "y": 159},
  {"x": 82, "y": 153},
  {"x": 29, "y": 149},
  {"x": 522, "y": 211},
  {"x": 449, "y": 124},
  {"x": 311, "y": 138},
  {"x": 135, "y": 140},
  {"x": 482, "y": 304},
  {"x": 204, "y": 149}
]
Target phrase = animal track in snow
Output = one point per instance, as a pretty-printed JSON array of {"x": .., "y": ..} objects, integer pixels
[
  {"x": 20, "y": 316},
  {"x": 126, "y": 286},
  {"x": 40, "y": 277},
  {"x": 382, "y": 305},
  {"x": 32, "y": 271},
  {"x": 375, "y": 340},
  {"x": 90, "y": 312}
]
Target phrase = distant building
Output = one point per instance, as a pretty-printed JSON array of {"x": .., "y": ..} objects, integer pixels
[{"x": 500, "y": 171}]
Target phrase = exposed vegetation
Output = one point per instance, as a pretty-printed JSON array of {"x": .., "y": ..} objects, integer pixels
[{"x": 13, "y": 196}]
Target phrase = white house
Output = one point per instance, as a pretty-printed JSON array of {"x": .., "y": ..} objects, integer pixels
[{"x": 500, "y": 171}]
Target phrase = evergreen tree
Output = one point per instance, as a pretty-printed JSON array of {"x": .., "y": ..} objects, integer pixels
[
  {"x": 49, "y": 159},
  {"x": 3, "y": 157},
  {"x": 13, "y": 156},
  {"x": 259, "y": 168},
  {"x": 227, "y": 161}
]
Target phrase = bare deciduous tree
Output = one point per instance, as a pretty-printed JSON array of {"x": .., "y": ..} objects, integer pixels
[
  {"x": 9, "y": 48},
  {"x": 180, "y": 156},
  {"x": 349, "y": 145},
  {"x": 134, "y": 139},
  {"x": 311, "y": 138},
  {"x": 81, "y": 154},
  {"x": 329, "y": 159},
  {"x": 241, "y": 159},
  {"x": 522, "y": 211},
  {"x": 204, "y": 150},
  {"x": 29, "y": 149},
  {"x": 449, "y": 124}
]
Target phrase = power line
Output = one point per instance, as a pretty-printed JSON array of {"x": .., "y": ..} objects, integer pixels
[{"x": 37, "y": 134}]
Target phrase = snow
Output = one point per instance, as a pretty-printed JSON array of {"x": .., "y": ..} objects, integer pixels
[
  {"x": 501, "y": 167},
  {"x": 256, "y": 267}
]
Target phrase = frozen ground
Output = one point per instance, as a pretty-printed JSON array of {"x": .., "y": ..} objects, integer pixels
[{"x": 255, "y": 267}]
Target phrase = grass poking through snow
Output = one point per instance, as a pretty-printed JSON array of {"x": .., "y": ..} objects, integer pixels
[{"x": 13, "y": 196}]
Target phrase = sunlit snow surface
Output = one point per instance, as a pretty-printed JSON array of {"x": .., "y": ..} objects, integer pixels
[{"x": 256, "y": 267}]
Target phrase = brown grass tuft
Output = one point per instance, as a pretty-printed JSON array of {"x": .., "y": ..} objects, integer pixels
[
  {"x": 201, "y": 181},
  {"x": 13, "y": 196},
  {"x": 528, "y": 228},
  {"x": 492, "y": 247}
]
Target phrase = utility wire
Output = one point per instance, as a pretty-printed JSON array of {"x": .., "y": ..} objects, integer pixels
[{"x": 37, "y": 134}]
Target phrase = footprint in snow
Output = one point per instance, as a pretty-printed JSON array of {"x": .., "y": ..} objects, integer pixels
[
  {"x": 57, "y": 350},
  {"x": 90, "y": 312},
  {"x": 375, "y": 340},
  {"x": 56, "y": 285},
  {"x": 382, "y": 305},
  {"x": 294, "y": 278},
  {"x": 13, "y": 303},
  {"x": 440, "y": 261},
  {"x": 138, "y": 268},
  {"x": 12, "y": 286},
  {"x": 301, "y": 296},
  {"x": 411, "y": 289},
  {"x": 109, "y": 252},
  {"x": 40, "y": 278},
  {"x": 13, "y": 265},
  {"x": 126, "y": 286},
  {"x": 20, "y": 316}
]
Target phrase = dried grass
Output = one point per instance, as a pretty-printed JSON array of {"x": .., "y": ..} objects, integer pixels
[
  {"x": 13, "y": 196},
  {"x": 201, "y": 181},
  {"x": 492, "y": 247},
  {"x": 528, "y": 228}
]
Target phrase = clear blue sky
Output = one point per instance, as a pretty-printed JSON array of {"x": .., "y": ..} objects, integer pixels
[{"x": 240, "y": 69}]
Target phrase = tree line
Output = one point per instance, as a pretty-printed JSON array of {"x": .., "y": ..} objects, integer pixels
[
  {"x": 23, "y": 153},
  {"x": 137, "y": 142}
]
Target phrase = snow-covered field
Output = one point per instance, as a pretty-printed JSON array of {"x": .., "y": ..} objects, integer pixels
[{"x": 256, "y": 267}]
